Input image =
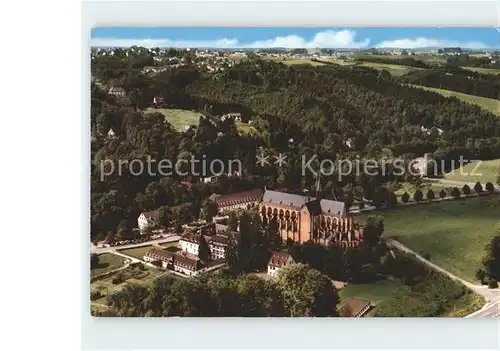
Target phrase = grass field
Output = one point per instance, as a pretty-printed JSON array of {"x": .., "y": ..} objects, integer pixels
[
  {"x": 130, "y": 275},
  {"x": 181, "y": 118},
  {"x": 373, "y": 292},
  {"x": 244, "y": 128},
  {"x": 394, "y": 70},
  {"x": 139, "y": 252},
  {"x": 108, "y": 262},
  {"x": 491, "y": 105},
  {"x": 486, "y": 171},
  {"x": 294, "y": 61},
  {"x": 385, "y": 290},
  {"x": 483, "y": 70},
  {"x": 177, "y": 118},
  {"x": 454, "y": 233}
]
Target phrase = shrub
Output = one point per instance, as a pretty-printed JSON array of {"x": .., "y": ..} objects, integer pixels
[
  {"x": 95, "y": 294},
  {"x": 405, "y": 198},
  {"x": 118, "y": 279},
  {"x": 489, "y": 187},
  {"x": 478, "y": 188},
  {"x": 466, "y": 189},
  {"x": 392, "y": 200},
  {"x": 481, "y": 276},
  {"x": 455, "y": 193},
  {"x": 418, "y": 196},
  {"x": 430, "y": 195},
  {"x": 442, "y": 194}
]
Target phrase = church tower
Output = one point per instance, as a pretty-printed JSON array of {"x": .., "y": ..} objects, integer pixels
[{"x": 319, "y": 194}]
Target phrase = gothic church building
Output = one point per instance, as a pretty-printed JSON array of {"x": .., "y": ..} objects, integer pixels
[{"x": 302, "y": 218}]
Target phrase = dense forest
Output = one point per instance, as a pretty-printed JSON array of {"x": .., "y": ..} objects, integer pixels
[
  {"x": 457, "y": 79},
  {"x": 330, "y": 111}
]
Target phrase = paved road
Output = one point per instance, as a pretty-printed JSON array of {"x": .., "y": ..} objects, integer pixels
[
  {"x": 492, "y": 296},
  {"x": 114, "y": 249},
  {"x": 459, "y": 184},
  {"x": 491, "y": 310},
  {"x": 451, "y": 183}
]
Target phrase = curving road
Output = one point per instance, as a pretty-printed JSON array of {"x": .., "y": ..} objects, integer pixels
[{"x": 492, "y": 296}]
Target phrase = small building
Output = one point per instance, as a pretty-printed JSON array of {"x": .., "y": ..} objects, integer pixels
[
  {"x": 111, "y": 133},
  {"x": 146, "y": 219},
  {"x": 187, "y": 128},
  {"x": 240, "y": 200},
  {"x": 190, "y": 243},
  {"x": 355, "y": 308},
  {"x": 117, "y": 91},
  {"x": 235, "y": 116},
  {"x": 159, "y": 254},
  {"x": 158, "y": 100},
  {"x": 278, "y": 260},
  {"x": 187, "y": 264},
  {"x": 220, "y": 243}
]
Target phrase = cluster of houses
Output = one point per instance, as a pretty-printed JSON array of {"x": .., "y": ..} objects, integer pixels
[
  {"x": 200, "y": 250},
  {"x": 298, "y": 218}
]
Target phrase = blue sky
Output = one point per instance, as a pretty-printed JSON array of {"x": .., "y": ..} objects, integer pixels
[{"x": 290, "y": 37}]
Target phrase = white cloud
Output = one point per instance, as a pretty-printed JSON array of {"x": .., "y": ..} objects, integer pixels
[
  {"x": 326, "y": 39},
  {"x": 152, "y": 43},
  {"x": 422, "y": 42}
]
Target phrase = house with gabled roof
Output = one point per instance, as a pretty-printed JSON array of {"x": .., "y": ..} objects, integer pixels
[
  {"x": 145, "y": 220},
  {"x": 117, "y": 91},
  {"x": 278, "y": 260}
]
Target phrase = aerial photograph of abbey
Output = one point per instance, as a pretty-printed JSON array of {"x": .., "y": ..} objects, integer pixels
[{"x": 295, "y": 172}]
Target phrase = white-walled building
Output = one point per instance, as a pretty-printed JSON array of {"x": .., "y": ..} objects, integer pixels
[
  {"x": 145, "y": 220},
  {"x": 111, "y": 133},
  {"x": 277, "y": 261},
  {"x": 159, "y": 254},
  {"x": 117, "y": 91}
]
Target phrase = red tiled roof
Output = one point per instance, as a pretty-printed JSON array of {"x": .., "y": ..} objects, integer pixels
[
  {"x": 184, "y": 260},
  {"x": 354, "y": 308},
  {"x": 177, "y": 208},
  {"x": 280, "y": 259},
  {"x": 149, "y": 214},
  {"x": 239, "y": 198},
  {"x": 159, "y": 254}
]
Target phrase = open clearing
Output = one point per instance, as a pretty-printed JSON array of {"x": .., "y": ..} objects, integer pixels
[
  {"x": 108, "y": 262},
  {"x": 176, "y": 117},
  {"x": 385, "y": 290},
  {"x": 294, "y": 61},
  {"x": 394, "y": 70},
  {"x": 491, "y": 105},
  {"x": 454, "y": 233},
  {"x": 180, "y": 118},
  {"x": 139, "y": 252},
  {"x": 483, "y": 70},
  {"x": 374, "y": 292},
  {"x": 136, "y": 275},
  {"x": 483, "y": 172}
]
